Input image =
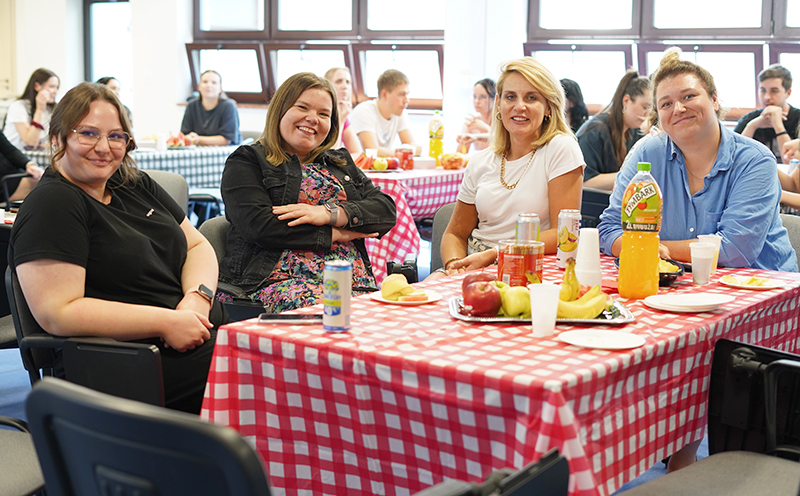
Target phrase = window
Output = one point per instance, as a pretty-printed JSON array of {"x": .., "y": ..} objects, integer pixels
[
  {"x": 421, "y": 64},
  {"x": 585, "y": 18},
  {"x": 110, "y": 21},
  {"x": 706, "y": 19},
  {"x": 241, "y": 67}
]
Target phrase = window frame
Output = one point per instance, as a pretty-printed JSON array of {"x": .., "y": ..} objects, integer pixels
[
  {"x": 776, "y": 49},
  {"x": 782, "y": 31},
  {"x": 228, "y": 36},
  {"x": 193, "y": 54},
  {"x": 278, "y": 34},
  {"x": 536, "y": 33},
  {"x": 538, "y": 46},
  {"x": 271, "y": 48},
  {"x": 650, "y": 32}
]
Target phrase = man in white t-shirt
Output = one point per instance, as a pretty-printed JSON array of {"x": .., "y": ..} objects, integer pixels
[{"x": 376, "y": 122}]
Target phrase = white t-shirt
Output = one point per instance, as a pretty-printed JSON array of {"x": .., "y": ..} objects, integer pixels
[
  {"x": 20, "y": 111},
  {"x": 497, "y": 206},
  {"x": 367, "y": 117}
]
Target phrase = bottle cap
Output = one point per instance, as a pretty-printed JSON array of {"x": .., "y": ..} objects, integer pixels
[{"x": 643, "y": 166}]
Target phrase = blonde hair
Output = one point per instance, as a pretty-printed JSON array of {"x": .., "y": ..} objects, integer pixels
[
  {"x": 281, "y": 102},
  {"x": 72, "y": 109},
  {"x": 549, "y": 87},
  {"x": 672, "y": 66}
]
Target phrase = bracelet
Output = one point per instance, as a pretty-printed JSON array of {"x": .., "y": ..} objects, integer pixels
[
  {"x": 37, "y": 125},
  {"x": 782, "y": 133},
  {"x": 451, "y": 260},
  {"x": 440, "y": 270}
]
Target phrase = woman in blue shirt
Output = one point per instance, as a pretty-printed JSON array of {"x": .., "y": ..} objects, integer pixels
[{"x": 712, "y": 180}]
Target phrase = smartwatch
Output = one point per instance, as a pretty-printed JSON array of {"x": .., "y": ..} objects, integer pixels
[
  {"x": 205, "y": 292},
  {"x": 333, "y": 208}
]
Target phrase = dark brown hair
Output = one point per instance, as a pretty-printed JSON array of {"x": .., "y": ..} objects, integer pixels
[
  {"x": 39, "y": 76},
  {"x": 633, "y": 85}
]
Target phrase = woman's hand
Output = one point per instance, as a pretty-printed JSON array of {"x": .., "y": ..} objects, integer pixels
[
  {"x": 345, "y": 235},
  {"x": 344, "y": 110},
  {"x": 303, "y": 213},
  {"x": 663, "y": 251},
  {"x": 43, "y": 98},
  {"x": 790, "y": 150},
  {"x": 194, "y": 138},
  {"x": 34, "y": 170},
  {"x": 185, "y": 330},
  {"x": 476, "y": 125},
  {"x": 473, "y": 262}
]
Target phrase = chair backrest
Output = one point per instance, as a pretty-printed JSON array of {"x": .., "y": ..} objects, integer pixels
[
  {"x": 593, "y": 203},
  {"x": 792, "y": 224},
  {"x": 737, "y": 399},
  {"x": 216, "y": 232},
  {"x": 440, "y": 220},
  {"x": 94, "y": 444},
  {"x": 174, "y": 184}
]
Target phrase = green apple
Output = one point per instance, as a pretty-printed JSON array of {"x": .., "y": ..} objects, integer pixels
[
  {"x": 516, "y": 301},
  {"x": 380, "y": 163}
]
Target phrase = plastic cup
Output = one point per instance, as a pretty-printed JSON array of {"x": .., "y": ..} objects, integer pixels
[
  {"x": 371, "y": 152},
  {"x": 587, "y": 260},
  {"x": 702, "y": 259},
  {"x": 714, "y": 240},
  {"x": 544, "y": 305},
  {"x": 161, "y": 142}
]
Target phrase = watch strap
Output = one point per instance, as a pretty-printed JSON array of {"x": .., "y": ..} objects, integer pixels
[
  {"x": 333, "y": 208},
  {"x": 205, "y": 292}
]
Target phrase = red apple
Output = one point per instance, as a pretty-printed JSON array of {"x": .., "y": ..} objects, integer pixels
[
  {"x": 482, "y": 299},
  {"x": 393, "y": 162},
  {"x": 475, "y": 277}
]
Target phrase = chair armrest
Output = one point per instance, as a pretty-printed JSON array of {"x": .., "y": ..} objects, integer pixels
[{"x": 16, "y": 423}]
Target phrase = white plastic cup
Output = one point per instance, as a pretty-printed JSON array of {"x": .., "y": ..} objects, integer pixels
[
  {"x": 702, "y": 259},
  {"x": 714, "y": 240},
  {"x": 587, "y": 260},
  {"x": 161, "y": 142},
  {"x": 371, "y": 152},
  {"x": 544, "y": 305}
]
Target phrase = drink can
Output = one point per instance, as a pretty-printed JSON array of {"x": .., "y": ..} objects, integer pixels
[
  {"x": 337, "y": 289},
  {"x": 527, "y": 227},
  {"x": 569, "y": 226},
  {"x": 520, "y": 263}
]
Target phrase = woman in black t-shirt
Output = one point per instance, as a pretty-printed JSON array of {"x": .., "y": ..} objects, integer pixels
[{"x": 101, "y": 250}]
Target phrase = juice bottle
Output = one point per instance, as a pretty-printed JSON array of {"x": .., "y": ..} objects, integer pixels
[
  {"x": 436, "y": 133},
  {"x": 641, "y": 221}
]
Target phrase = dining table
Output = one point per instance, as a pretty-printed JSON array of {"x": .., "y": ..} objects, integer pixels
[
  {"x": 411, "y": 395},
  {"x": 418, "y": 194},
  {"x": 202, "y": 166}
]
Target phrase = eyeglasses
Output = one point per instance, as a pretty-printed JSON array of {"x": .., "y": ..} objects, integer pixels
[{"x": 90, "y": 136}]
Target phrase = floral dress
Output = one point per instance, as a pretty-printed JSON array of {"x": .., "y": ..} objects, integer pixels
[{"x": 299, "y": 273}]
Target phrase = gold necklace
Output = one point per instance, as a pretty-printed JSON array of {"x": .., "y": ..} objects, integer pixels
[{"x": 503, "y": 171}]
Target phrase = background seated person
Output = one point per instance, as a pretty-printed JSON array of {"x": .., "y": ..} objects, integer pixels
[
  {"x": 294, "y": 203},
  {"x": 533, "y": 165},
  {"x": 790, "y": 183},
  {"x": 607, "y": 138},
  {"x": 576, "y": 111},
  {"x": 712, "y": 180},
  {"x": 377, "y": 122},
  {"x": 28, "y": 119},
  {"x": 12, "y": 161},
  {"x": 101, "y": 250},
  {"x": 113, "y": 85},
  {"x": 776, "y": 122},
  {"x": 343, "y": 84},
  {"x": 479, "y": 122},
  {"x": 211, "y": 119}
]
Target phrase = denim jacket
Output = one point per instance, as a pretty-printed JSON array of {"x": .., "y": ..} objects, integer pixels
[{"x": 257, "y": 238}]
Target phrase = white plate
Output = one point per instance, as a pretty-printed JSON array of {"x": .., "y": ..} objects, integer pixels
[
  {"x": 432, "y": 297},
  {"x": 604, "y": 340},
  {"x": 687, "y": 302},
  {"x": 772, "y": 284}
]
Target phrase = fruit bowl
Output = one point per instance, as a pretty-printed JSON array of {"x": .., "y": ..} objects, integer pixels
[{"x": 665, "y": 278}]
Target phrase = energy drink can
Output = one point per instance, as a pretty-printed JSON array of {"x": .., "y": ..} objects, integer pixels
[
  {"x": 336, "y": 292},
  {"x": 569, "y": 226},
  {"x": 527, "y": 227}
]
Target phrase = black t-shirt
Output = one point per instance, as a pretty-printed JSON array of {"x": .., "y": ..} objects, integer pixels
[
  {"x": 594, "y": 138},
  {"x": 221, "y": 120},
  {"x": 766, "y": 135},
  {"x": 133, "y": 249}
]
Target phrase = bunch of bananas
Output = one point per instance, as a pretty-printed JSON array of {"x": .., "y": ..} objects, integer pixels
[{"x": 570, "y": 306}]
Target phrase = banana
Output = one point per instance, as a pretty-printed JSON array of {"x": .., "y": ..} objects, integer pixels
[
  {"x": 589, "y": 295},
  {"x": 586, "y": 310},
  {"x": 569, "y": 285}
]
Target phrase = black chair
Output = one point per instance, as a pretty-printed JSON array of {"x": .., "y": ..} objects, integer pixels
[
  {"x": 593, "y": 203},
  {"x": 129, "y": 370},
  {"x": 547, "y": 477},
  {"x": 20, "y": 474},
  {"x": 753, "y": 412},
  {"x": 93, "y": 444}
]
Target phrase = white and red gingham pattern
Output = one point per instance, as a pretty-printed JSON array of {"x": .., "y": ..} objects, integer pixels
[
  {"x": 410, "y": 396},
  {"x": 417, "y": 194}
]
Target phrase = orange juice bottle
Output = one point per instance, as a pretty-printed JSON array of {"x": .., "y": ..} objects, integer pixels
[
  {"x": 641, "y": 221},
  {"x": 436, "y": 134}
]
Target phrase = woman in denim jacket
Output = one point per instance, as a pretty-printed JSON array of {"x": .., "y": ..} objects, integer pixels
[{"x": 294, "y": 203}]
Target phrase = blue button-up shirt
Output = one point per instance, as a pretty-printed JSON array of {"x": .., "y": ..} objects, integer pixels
[{"x": 739, "y": 201}]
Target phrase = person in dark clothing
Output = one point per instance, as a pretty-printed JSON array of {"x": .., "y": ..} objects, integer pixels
[
  {"x": 12, "y": 161},
  {"x": 211, "y": 119}
]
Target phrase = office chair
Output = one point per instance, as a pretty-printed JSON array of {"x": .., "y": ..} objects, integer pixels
[
  {"x": 94, "y": 444},
  {"x": 129, "y": 370},
  {"x": 792, "y": 225},
  {"x": 593, "y": 203},
  {"x": 8, "y": 179},
  {"x": 440, "y": 220},
  {"x": 20, "y": 474},
  {"x": 753, "y": 413}
]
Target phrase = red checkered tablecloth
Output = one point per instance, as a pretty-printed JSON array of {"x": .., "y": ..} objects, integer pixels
[
  {"x": 418, "y": 194},
  {"x": 411, "y": 396}
]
